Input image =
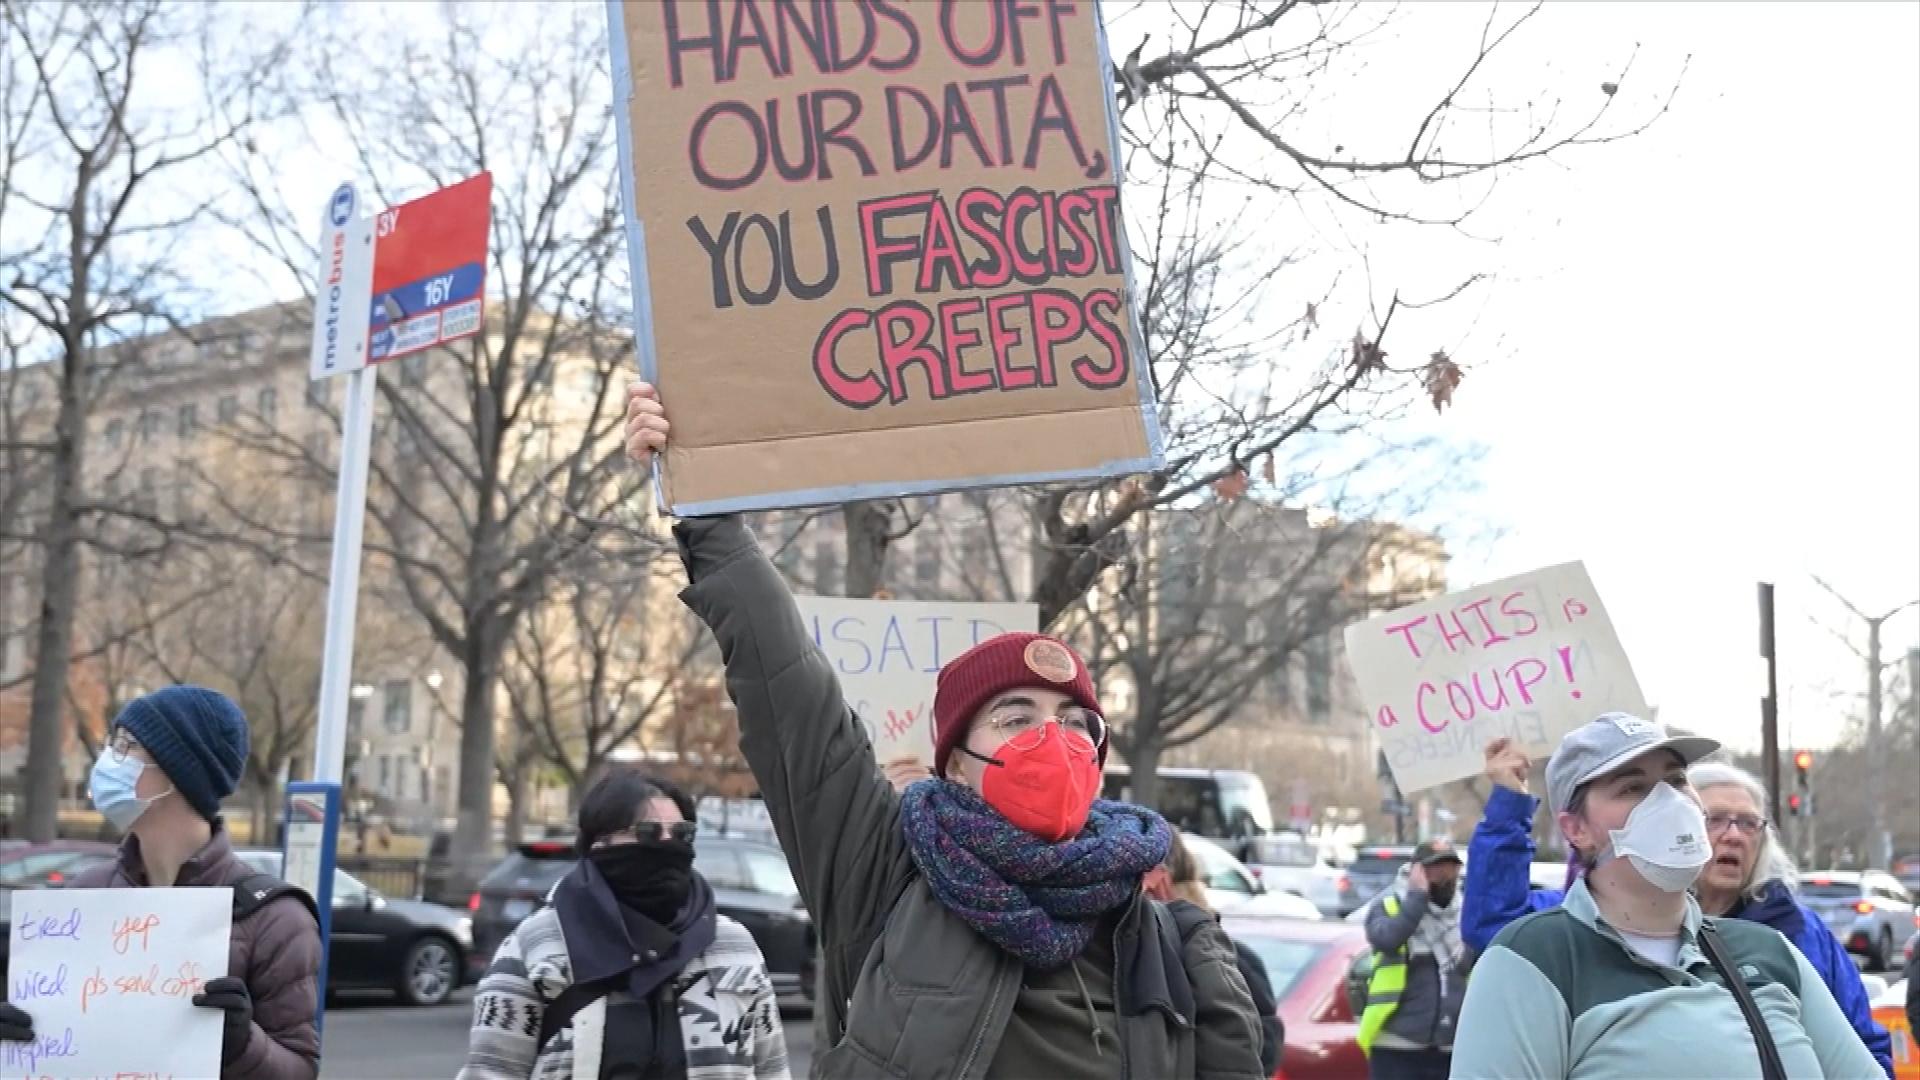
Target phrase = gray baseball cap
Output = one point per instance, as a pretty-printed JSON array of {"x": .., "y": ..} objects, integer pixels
[{"x": 1607, "y": 743}]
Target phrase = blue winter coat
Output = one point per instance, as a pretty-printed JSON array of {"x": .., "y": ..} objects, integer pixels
[{"x": 1499, "y": 891}]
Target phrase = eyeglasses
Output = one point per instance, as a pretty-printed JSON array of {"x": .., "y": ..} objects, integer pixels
[
  {"x": 121, "y": 745},
  {"x": 1022, "y": 726},
  {"x": 1750, "y": 824},
  {"x": 649, "y": 832}
]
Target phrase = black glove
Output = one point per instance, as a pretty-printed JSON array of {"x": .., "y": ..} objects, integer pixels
[
  {"x": 230, "y": 994},
  {"x": 15, "y": 1026}
]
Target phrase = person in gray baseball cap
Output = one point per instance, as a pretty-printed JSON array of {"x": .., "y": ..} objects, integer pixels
[{"x": 1627, "y": 977}]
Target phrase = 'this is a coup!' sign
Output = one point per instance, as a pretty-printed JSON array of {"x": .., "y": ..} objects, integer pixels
[{"x": 878, "y": 246}]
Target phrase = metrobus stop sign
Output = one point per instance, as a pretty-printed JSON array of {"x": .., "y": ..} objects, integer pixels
[{"x": 429, "y": 270}]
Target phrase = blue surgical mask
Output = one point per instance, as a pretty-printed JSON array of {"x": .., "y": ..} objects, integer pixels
[{"x": 112, "y": 784}]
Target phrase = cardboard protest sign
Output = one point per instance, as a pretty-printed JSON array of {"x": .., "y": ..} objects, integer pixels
[
  {"x": 1527, "y": 658},
  {"x": 101, "y": 969},
  {"x": 888, "y": 653},
  {"x": 877, "y": 246}
]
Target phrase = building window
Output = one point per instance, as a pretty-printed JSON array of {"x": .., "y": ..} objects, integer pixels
[
  {"x": 386, "y": 775},
  {"x": 114, "y": 427},
  {"x": 189, "y": 419},
  {"x": 1319, "y": 656},
  {"x": 319, "y": 392},
  {"x": 149, "y": 424},
  {"x": 399, "y": 703},
  {"x": 269, "y": 403},
  {"x": 228, "y": 409},
  {"x": 413, "y": 369}
]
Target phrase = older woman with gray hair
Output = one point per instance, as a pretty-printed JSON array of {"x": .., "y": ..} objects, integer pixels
[{"x": 1750, "y": 877}]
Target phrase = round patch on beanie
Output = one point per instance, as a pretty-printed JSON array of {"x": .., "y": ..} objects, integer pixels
[{"x": 1051, "y": 661}]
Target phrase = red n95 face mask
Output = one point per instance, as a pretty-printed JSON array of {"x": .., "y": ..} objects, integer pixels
[{"x": 1044, "y": 781}]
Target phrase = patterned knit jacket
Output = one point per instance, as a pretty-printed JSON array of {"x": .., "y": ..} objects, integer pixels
[{"x": 729, "y": 1019}]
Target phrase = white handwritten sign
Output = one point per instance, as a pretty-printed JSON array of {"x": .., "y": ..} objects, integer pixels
[
  {"x": 109, "y": 976},
  {"x": 889, "y": 652},
  {"x": 1528, "y": 658}
]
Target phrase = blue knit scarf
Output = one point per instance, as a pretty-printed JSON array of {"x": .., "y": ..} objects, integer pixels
[{"x": 1037, "y": 900}]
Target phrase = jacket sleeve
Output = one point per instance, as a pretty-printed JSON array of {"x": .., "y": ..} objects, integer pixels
[
  {"x": 1913, "y": 993},
  {"x": 1513, "y": 1025},
  {"x": 1385, "y": 932},
  {"x": 769, "y": 1038},
  {"x": 1843, "y": 982},
  {"x": 1273, "y": 1036},
  {"x": 284, "y": 982},
  {"x": 1226, "y": 1031},
  {"x": 1835, "y": 1042},
  {"x": 507, "y": 1010},
  {"x": 1498, "y": 888},
  {"x": 835, "y": 814}
]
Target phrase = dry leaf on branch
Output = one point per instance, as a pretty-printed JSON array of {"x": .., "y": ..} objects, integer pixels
[
  {"x": 1313, "y": 319},
  {"x": 1266, "y": 469},
  {"x": 1442, "y": 376},
  {"x": 1231, "y": 486},
  {"x": 1367, "y": 355}
]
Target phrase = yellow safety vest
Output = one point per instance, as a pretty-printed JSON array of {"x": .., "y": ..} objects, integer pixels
[{"x": 1384, "y": 987}]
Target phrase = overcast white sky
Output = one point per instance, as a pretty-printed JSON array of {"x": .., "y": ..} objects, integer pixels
[
  {"x": 1700, "y": 367},
  {"x": 1713, "y": 377}
]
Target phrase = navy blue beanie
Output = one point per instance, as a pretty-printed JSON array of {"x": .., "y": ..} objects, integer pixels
[{"x": 196, "y": 736}]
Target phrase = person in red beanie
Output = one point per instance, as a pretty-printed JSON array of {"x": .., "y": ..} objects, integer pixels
[{"x": 988, "y": 920}]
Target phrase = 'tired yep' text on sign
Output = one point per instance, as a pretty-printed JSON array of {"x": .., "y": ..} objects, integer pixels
[
  {"x": 879, "y": 246},
  {"x": 887, "y": 654},
  {"x": 1527, "y": 658},
  {"x": 96, "y": 968}
]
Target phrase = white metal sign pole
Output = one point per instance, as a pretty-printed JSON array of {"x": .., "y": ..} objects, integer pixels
[
  {"x": 340, "y": 347},
  {"x": 343, "y": 582}
]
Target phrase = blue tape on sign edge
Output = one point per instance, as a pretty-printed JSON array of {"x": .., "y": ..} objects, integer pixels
[
  {"x": 636, "y": 236},
  {"x": 788, "y": 500},
  {"x": 1142, "y": 365}
]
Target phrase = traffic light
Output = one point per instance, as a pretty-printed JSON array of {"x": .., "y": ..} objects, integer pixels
[{"x": 1800, "y": 802}]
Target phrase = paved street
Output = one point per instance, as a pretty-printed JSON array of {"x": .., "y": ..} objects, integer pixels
[{"x": 372, "y": 1039}]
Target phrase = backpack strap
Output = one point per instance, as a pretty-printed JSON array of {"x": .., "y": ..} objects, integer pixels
[
  {"x": 1188, "y": 918},
  {"x": 256, "y": 891}
]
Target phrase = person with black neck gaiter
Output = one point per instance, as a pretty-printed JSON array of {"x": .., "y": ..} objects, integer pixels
[{"x": 629, "y": 973}]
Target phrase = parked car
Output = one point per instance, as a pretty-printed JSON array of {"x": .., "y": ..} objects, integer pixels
[
  {"x": 416, "y": 949},
  {"x": 1372, "y": 870},
  {"x": 40, "y": 866},
  {"x": 751, "y": 885},
  {"x": 1870, "y": 912},
  {"x": 1289, "y": 862},
  {"x": 1232, "y": 888},
  {"x": 1308, "y": 963}
]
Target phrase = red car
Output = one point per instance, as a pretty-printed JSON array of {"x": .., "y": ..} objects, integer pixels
[{"x": 1308, "y": 961}]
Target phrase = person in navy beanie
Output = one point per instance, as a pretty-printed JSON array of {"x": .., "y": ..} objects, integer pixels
[{"x": 171, "y": 757}]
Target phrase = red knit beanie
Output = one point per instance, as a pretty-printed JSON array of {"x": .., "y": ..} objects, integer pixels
[{"x": 994, "y": 667}]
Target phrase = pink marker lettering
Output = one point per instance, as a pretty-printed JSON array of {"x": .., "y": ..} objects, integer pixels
[
  {"x": 1498, "y": 685},
  {"x": 1573, "y": 609},
  {"x": 1566, "y": 665},
  {"x": 1386, "y": 718},
  {"x": 1456, "y": 695},
  {"x": 1525, "y": 684},
  {"x": 1456, "y": 635},
  {"x": 1513, "y": 609},
  {"x": 1405, "y": 630},
  {"x": 1479, "y": 608},
  {"x": 1420, "y": 708}
]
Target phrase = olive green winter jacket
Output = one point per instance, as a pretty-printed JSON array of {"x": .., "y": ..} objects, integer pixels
[{"x": 908, "y": 989}]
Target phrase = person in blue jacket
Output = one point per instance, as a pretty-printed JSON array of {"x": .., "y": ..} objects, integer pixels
[{"x": 1750, "y": 877}]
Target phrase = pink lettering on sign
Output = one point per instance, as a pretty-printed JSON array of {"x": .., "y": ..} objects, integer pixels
[{"x": 1473, "y": 626}]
